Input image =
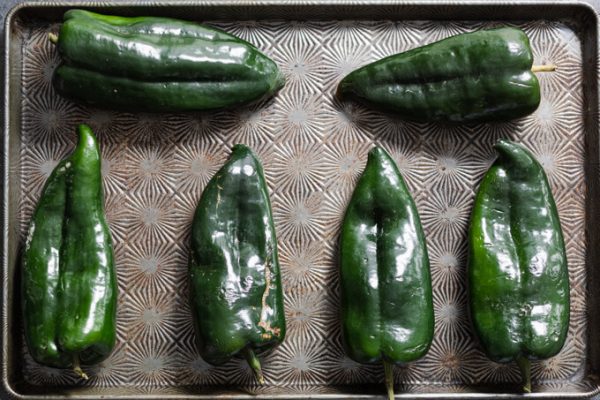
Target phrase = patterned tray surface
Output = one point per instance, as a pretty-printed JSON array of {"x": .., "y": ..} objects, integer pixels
[{"x": 313, "y": 149}]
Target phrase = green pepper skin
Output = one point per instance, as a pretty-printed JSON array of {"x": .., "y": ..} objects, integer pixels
[
  {"x": 483, "y": 76},
  {"x": 158, "y": 64},
  {"x": 518, "y": 276},
  {"x": 387, "y": 305},
  {"x": 236, "y": 293},
  {"x": 69, "y": 281},
  {"x": 40, "y": 272}
]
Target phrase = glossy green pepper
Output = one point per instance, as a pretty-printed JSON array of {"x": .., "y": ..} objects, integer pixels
[
  {"x": 158, "y": 64},
  {"x": 387, "y": 305},
  {"x": 518, "y": 277},
  {"x": 69, "y": 290},
  {"x": 236, "y": 294},
  {"x": 473, "y": 77}
]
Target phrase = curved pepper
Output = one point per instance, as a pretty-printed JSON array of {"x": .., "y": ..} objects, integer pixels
[
  {"x": 158, "y": 64},
  {"x": 473, "y": 77},
  {"x": 236, "y": 294},
  {"x": 387, "y": 306},
  {"x": 68, "y": 276},
  {"x": 518, "y": 277}
]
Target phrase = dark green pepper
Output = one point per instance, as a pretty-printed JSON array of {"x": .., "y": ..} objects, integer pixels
[
  {"x": 473, "y": 77},
  {"x": 518, "y": 277},
  {"x": 69, "y": 290},
  {"x": 158, "y": 64},
  {"x": 236, "y": 294},
  {"x": 387, "y": 305}
]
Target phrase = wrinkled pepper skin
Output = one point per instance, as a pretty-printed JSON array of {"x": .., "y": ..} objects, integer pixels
[
  {"x": 518, "y": 277},
  {"x": 69, "y": 290},
  {"x": 158, "y": 64},
  {"x": 483, "y": 76},
  {"x": 387, "y": 305},
  {"x": 236, "y": 293}
]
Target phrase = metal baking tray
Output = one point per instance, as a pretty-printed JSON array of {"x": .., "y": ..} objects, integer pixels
[{"x": 313, "y": 149}]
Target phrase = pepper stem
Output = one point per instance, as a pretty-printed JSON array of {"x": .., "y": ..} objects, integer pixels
[
  {"x": 254, "y": 364},
  {"x": 388, "y": 370},
  {"x": 53, "y": 38},
  {"x": 543, "y": 68},
  {"x": 77, "y": 368},
  {"x": 525, "y": 367}
]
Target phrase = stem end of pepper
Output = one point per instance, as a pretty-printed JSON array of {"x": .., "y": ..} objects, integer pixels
[
  {"x": 53, "y": 38},
  {"x": 543, "y": 68},
  {"x": 77, "y": 368},
  {"x": 254, "y": 363},
  {"x": 388, "y": 369},
  {"x": 525, "y": 367}
]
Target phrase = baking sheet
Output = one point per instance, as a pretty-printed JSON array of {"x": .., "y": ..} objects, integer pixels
[{"x": 313, "y": 149}]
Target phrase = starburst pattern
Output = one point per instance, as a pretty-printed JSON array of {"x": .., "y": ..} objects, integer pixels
[
  {"x": 296, "y": 363},
  {"x": 434, "y": 31},
  {"x": 259, "y": 33},
  {"x": 37, "y": 164},
  {"x": 351, "y": 33},
  {"x": 250, "y": 125},
  {"x": 448, "y": 263},
  {"x": 110, "y": 372},
  {"x": 297, "y": 165},
  {"x": 157, "y": 267},
  {"x": 308, "y": 315},
  {"x": 392, "y": 37},
  {"x": 194, "y": 370},
  {"x": 298, "y": 217},
  {"x": 199, "y": 127},
  {"x": 148, "y": 315},
  {"x": 562, "y": 167},
  {"x": 41, "y": 375},
  {"x": 554, "y": 119},
  {"x": 299, "y": 118},
  {"x": 493, "y": 372},
  {"x": 406, "y": 151},
  {"x": 343, "y": 164},
  {"x": 340, "y": 61},
  {"x": 111, "y": 127},
  {"x": 300, "y": 62},
  {"x": 151, "y": 218},
  {"x": 149, "y": 129},
  {"x": 450, "y": 362},
  {"x": 116, "y": 214},
  {"x": 114, "y": 175},
  {"x": 342, "y": 370},
  {"x": 42, "y": 58},
  {"x": 49, "y": 119},
  {"x": 567, "y": 68},
  {"x": 447, "y": 166},
  {"x": 150, "y": 169},
  {"x": 450, "y": 310},
  {"x": 446, "y": 217},
  {"x": 561, "y": 366},
  {"x": 151, "y": 363},
  {"x": 346, "y": 121},
  {"x": 302, "y": 265}
]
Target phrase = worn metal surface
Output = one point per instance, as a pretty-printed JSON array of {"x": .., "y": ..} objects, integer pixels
[{"x": 313, "y": 149}]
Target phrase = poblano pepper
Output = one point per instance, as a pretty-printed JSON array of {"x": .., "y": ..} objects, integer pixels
[
  {"x": 69, "y": 290},
  {"x": 518, "y": 277},
  {"x": 158, "y": 64},
  {"x": 236, "y": 294},
  {"x": 387, "y": 305},
  {"x": 473, "y": 77}
]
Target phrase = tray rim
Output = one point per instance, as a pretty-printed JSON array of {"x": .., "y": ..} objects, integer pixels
[{"x": 8, "y": 389}]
